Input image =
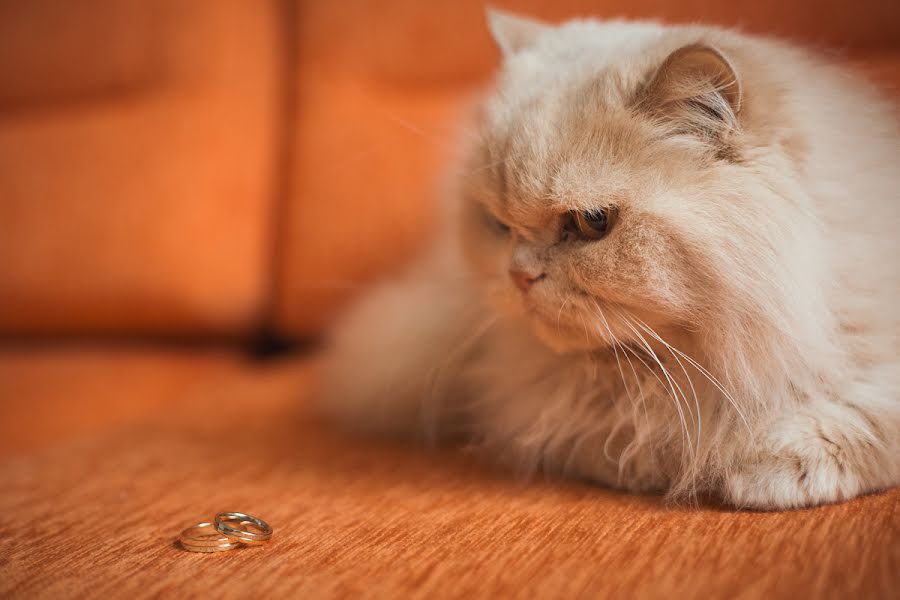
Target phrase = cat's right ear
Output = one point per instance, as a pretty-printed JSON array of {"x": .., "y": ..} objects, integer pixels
[
  {"x": 513, "y": 33},
  {"x": 698, "y": 87}
]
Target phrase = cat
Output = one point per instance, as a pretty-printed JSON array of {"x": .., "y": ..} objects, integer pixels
[{"x": 669, "y": 264}]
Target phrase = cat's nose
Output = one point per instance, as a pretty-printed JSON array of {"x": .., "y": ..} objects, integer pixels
[{"x": 524, "y": 279}]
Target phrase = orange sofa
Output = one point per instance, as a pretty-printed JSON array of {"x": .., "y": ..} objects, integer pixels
[{"x": 189, "y": 193}]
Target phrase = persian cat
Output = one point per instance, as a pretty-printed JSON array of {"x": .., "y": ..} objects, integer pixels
[{"x": 669, "y": 263}]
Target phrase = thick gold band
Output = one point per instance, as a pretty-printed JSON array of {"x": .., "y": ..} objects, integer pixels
[{"x": 204, "y": 537}]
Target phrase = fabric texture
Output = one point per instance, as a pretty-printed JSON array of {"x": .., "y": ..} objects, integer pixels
[{"x": 95, "y": 511}]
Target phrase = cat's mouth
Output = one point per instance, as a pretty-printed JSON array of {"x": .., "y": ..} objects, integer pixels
[
  {"x": 565, "y": 328},
  {"x": 580, "y": 322}
]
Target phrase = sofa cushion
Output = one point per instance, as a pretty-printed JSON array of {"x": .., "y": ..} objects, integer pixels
[
  {"x": 137, "y": 153},
  {"x": 93, "y": 510}
]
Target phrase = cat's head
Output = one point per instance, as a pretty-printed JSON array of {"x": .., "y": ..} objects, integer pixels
[{"x": 612, "y": 183}]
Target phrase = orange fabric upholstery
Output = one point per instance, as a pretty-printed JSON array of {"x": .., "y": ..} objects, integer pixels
[
  {"x": 91, "y": 508},
  {"x": 137, "y": 144},
  {"x": 381, "y": 89}
]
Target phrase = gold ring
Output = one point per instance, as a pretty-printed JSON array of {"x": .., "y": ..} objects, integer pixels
[
  {"x": 238, "y": 532},
  {"x": 204, "y": 537}
]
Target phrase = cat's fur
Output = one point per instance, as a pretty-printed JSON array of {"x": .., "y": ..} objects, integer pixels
[{"x": 736, "y": 332}]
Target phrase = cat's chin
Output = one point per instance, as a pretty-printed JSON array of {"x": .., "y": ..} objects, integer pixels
[
  {"x": 556, "y": 335},
  {"x": 562, "y": 339}
]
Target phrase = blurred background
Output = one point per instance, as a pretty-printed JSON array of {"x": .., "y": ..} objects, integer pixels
[{"x": 186, "y": 177}]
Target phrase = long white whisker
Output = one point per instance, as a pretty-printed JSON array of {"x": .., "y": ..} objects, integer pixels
[
  {"x": 612, "y": 339},
  {"x": 712, "y": 378},
  {"x": 615, "y": 343},
  {"x": 673, "y": 385},
  {"x": 419, "y": 131},
  {"x": 487, "y": 167},
  {"x": 559, "y": 314},
  {"x": 690, "y": 382},
  {"x": 588, "y": 337},
  {"x": 637, "y": 380}
]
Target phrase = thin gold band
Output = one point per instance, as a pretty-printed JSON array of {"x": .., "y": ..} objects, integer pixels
[{"x": 231, "y": 524}]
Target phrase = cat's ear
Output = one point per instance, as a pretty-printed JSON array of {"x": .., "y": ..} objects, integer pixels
[
  {"x": 513, "y": 33},
  {"x": 698, "y": 88}
]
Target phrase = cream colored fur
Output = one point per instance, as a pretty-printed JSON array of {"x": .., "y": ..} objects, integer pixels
[{"x": 735, "y": 333}]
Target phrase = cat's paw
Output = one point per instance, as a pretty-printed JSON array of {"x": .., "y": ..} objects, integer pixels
[
  {"x": 806, "y": 462},
  {"x": 792, "y": 480}
]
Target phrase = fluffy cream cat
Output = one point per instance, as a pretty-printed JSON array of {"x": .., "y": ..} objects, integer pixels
[{"x": 671, "y": 264}]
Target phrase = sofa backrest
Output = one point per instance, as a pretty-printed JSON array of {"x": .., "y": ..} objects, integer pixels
[{"x": 203, "y": 167}]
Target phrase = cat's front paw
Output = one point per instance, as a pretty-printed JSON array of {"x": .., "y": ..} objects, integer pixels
[
  {"x": 790, "y": 481},
  {"x": 809, "y": 462}
]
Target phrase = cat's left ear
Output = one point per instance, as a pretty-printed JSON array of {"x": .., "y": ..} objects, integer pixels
[
  {"x": 698, "y": 87},
  {"x": 513, "y": 33}
]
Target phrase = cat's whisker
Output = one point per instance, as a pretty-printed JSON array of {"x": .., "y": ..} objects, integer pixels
[
  {"x": 486, "y": 167},
  {"x": 626, "y": 455},
  {"x": 587, "y": 336},
  {"x": 559, "y": 314},
  {"x": 333, "y": 286},
  {"x": 662, "y": 385},
  {"x": 703, "y": 371},
  {"x": 668, "y": 388},
  {"x": 615, "y": 343},
  {"x": 637, "y": 380},
  {"x": 673, "y": 385},
  {"x": 420, "y": 132},
  {"x": 627, "y": 348},
  {"x": 689, "y": 380},
  {"x": 361, "y": 283},
  {"x": 693, "y": 464}
]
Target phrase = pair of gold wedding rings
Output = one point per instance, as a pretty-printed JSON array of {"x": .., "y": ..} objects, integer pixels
[{"x": 229, "y": 530}]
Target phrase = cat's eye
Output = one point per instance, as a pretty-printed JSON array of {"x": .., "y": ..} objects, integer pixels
[
  {"x": 495, "y": 224},
  {"x": 589, "y": 224}
]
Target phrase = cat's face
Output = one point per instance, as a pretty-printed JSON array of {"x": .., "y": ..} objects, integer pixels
[{"x": 591, "y": 199}]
